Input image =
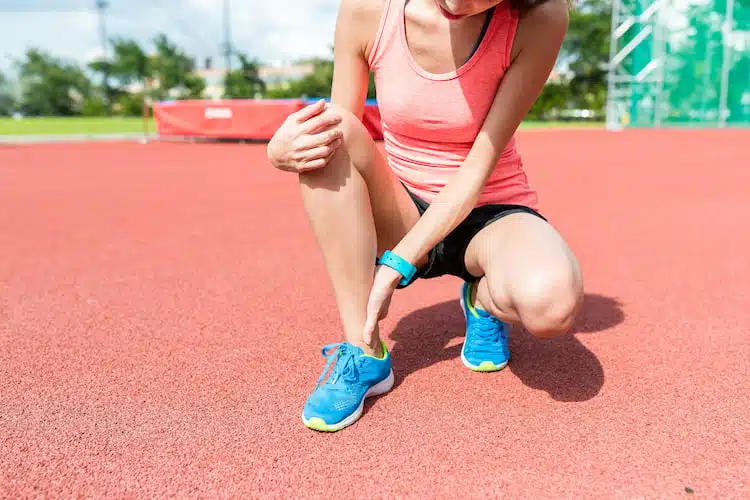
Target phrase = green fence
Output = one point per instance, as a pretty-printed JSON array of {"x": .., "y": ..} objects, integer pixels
[{"x": 688, "y": 63}]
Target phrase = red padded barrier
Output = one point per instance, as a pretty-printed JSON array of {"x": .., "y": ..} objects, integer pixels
[
  {"x": 238, "y": 119},
  {"x": 230, "y": 119}
]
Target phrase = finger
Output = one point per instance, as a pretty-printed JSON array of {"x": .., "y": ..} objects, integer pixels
[
  {"x": 340, "y": 142},
  {"x": 369, "y": 328},
  {"x": 323, "y": 138},
  {"x": 322, "y": 151},
  {"x": 322, "y": 122},
  {"x": 313, "y": 165},
  {"x": 373, "y": 309},
  {"x": 308, "y": 112}
]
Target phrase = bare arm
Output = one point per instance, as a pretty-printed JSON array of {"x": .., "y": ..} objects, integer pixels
[
  {"x": 355, "y": 29},
  {"x": 539, "y": 38},
  {"x": 309, "y": 137}
]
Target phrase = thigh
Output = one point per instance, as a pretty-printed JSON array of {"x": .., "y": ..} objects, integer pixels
[
  {"x": 394, "y": 212},
  {"x": 523, "y": 254},
  {"x": 359, "y": 164}
]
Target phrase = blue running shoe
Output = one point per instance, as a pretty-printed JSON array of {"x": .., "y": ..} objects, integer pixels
[
  {"x": 338, "y": 402},
  {"x": 485, "y": 348}
]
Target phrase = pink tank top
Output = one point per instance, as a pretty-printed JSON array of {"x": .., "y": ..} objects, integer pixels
[{"x": 430, "y": 120}]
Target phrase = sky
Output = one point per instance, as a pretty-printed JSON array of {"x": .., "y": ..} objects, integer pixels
[{"x": 273, "y": 31}]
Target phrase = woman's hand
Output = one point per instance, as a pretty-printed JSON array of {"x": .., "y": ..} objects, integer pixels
[
  {"x": 306, "y": 140},
  {"x": 383, "y": 286}
]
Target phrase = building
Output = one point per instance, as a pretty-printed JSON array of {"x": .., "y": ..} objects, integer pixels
[
  {"x": 273, "y": 76},
  {"x": 278, "y": 76}
]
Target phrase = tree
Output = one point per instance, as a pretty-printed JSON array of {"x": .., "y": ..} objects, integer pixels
[
  {"x": 51, "y": 86},
  {"x": 168, "y": 70},
  {"x": 315, "y": 85},
  {"x": 129, "y": 64},
  {"x": 102, "y": 68},
  {"x": 7, "y": 99},
  {"x": 586, "y": 52},
  {"x": 173, "y": 70},
  {"x": 554, "y": 97},
  {"x": 245, "y": 82}
]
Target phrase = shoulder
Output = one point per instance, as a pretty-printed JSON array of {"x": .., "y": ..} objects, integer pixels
[
  {"x": 362, "y": 9},
  {"x": 542, "y": 26},
  {"x": 359, "y": 20},
  {"x": 550, "y": 15}
]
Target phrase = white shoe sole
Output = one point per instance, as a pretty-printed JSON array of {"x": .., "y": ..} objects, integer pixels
[
  {"x": 484, "y": 366},
  {"x": 318, "y": 424}
]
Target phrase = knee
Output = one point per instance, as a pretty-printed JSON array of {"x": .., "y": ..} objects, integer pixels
[
  {"x": 352, "y": 151},
  {"x": 548, "y": 303},
  {"x": 350, "y": 125}
]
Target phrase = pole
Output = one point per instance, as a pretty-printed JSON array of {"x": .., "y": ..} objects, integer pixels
[
  {"x": 640, "y": 58},
  {"x": 612, "y": 117},
  {"x": 101, "y": 6},
  {"x": 147, "y": 104},
  {"x": 725, "y": 63},
  {"x": 227, "y": 36},
  {"x": 659, "y": 42}
]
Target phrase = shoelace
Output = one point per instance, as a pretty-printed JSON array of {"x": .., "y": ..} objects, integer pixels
[
  {"x": 490, "y": 330},
  {"x": 345, "y": 367}
]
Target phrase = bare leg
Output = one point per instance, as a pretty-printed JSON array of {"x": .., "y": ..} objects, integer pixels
[
  {"x": 529, "y": 275},
  {"x": 357, "y": 209}
]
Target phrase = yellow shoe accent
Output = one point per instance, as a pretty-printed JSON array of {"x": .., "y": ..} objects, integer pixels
[
  {"x": 381, "y": 358},
  {"x": 318, "y": 424},
  {"x": 487, "y": 366},
  {"x": 467, "y": 299}
]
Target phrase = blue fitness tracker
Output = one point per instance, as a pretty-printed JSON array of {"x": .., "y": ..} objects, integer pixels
[{"x": 406, "y": 269}]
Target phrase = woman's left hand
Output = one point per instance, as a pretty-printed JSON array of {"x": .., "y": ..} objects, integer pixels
[{"x": 383, "y": 286}]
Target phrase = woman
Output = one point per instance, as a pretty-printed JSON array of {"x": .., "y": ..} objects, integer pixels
[{"x": 454, "y": 80}]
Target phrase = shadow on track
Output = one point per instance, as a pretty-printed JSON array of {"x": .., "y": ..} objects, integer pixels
[{"x": 562, "y": 367}]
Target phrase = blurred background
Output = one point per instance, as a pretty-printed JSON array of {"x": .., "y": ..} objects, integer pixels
[{"x": 96, "y": 66}]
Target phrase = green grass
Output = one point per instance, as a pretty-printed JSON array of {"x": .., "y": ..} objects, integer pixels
[
  {"x": 72, "y": 126},
  {"x": 567, "y": 124},
  {"x": 108, "y": 125}
]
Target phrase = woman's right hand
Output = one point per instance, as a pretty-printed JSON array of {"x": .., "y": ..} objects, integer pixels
[{"x": 307, "y": 139}]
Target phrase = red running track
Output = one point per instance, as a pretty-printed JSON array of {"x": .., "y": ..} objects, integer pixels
[{"x": 162, "y": 308}]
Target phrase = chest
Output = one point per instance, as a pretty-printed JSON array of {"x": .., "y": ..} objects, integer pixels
[
  {"x": 451, "y": 110},
  {"x": 438, "y": 45},
  {"x": 421, "y": 97},
  {"x": 438, "y": 82}
]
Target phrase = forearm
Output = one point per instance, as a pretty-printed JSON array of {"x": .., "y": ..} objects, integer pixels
[
  {"x": 446, "y": 212},
  {"x": 520, "y": 87}
]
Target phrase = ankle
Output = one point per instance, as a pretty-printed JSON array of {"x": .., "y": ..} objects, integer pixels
[{"x": 375, "y": 350}]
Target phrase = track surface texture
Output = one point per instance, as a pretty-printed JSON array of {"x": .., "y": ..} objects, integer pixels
[{"x": 163, "y": 306}]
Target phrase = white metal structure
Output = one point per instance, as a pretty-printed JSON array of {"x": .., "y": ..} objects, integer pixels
[{"x": 638, "y": 62}]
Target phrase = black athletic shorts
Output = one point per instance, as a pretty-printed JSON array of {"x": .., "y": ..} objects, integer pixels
[{"x": 447, "y": 257}]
